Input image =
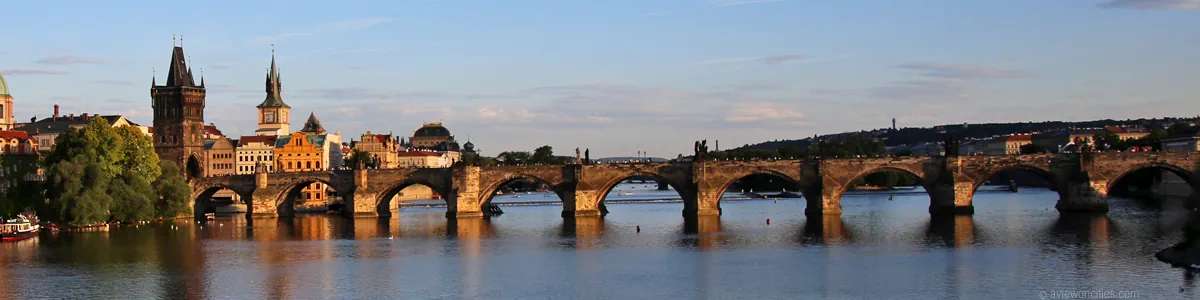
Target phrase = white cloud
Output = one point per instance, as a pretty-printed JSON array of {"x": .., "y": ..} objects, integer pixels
[
  {"x": 961, "y": 71},
  {"x": 326, "y": 29},
  {"x": 763, "y": 111},
  {"x": 71, "y": 60},
  {"x": 1152, "y": 4},
  {"x": 33, "y": 71},
  {"x": 739, "y": 2},
  {"x": 766, "y": 60}
]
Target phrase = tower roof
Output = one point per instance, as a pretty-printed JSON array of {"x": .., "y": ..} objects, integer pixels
[
  {"x": 313, "y": 125},
  {"x": 3, "y": 86},
  {"x": 180, "y": 74},
  {"x": 274, "y": 87}
]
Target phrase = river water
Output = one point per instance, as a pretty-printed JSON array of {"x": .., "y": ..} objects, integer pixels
[{"x": 1016, "y": 246}]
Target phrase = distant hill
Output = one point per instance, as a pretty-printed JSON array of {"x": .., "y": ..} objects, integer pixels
[
  {"x": 628, "y": 158},
  {"x": 913, "y": 136}
]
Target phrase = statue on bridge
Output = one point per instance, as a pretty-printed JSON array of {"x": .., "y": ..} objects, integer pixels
[
  {"x": 701, "y": 150},
  {"x": 950, "y": 146},
  {"x": 578, "y": 160},
  {"x": 587, "y": 156}
]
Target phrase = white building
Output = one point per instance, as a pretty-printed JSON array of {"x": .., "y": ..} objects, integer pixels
[{"x": 252, "y": 150}]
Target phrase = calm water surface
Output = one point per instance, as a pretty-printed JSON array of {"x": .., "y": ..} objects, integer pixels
[{"x": 1015, "y": 246}]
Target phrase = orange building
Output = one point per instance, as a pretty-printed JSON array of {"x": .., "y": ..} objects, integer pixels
[{"x": 298, "y": 152}]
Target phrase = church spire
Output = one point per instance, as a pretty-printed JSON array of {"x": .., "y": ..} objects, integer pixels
[
  {"x": 179, "y": 74},
  {"x": 274, "y": 86}
]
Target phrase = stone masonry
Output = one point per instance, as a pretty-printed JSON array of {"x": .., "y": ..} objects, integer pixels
[{"x": 1082, "y": 181}]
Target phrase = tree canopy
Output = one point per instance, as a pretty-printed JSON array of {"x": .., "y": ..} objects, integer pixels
[{"x": 100, "y": 173}]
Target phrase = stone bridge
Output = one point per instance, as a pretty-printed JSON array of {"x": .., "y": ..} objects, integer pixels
[{"x": 1082, "y": 180}]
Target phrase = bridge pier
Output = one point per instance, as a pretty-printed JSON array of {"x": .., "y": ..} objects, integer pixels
[
  {"x": 705, "y": 202},
  {"x": 1085, "y": 197},
  {"x": 826, "y": 204},
  {"x": 952, "y": 199},
  {"x": 582, "y": 203},
  {"x": 262, "y": 204}
]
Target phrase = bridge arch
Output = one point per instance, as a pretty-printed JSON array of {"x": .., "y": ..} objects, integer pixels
[
  {"x": 1190, "y": 177},
  {"x": 201, "y": 196},
  {"x": 383, "y": 199},
  {"x": 919, "y": 174},
  {"x": 726, "y": 184},
  {"x": 1040, "y": 171},
  {"x": 607, "y": 187},
  {"x": 489, "y": 192},
  {"x": 285, "y": 200}
]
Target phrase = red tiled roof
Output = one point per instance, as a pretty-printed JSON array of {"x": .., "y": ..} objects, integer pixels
[
  {"x": 381, "y": 138},
  {"x": 1020, "y": 137},
  {"x": 418, "y": 153},
  {"x": 1115, "y": 129},
  {"x": 212, "y": 129},
  {"x": 265, "y": 139},
  {"x": 14, "y": 134}
]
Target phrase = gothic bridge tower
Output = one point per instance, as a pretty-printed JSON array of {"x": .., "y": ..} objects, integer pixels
[{"x": 179, "y": 117}]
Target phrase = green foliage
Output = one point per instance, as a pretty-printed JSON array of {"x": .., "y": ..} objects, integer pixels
[
  {"x": 543, "y": 155},
  {"x": 174, "y": 196},
  {"x": 137, "y": 153},
  {"x": 100, "y": 173},
  {"x": 1111, "y": 141},
  {"x": 368, "y": 161},
  {"x": 1033, "y": 149},
  {"x": 1178, "y": 127},
  {"x": 21, "y": 196},
  {"x": 136, "y": 197},
  {"x": 851, "y": 146},
  {"x": 514, "y": 157},
  {"x": 79, "y": 193}
]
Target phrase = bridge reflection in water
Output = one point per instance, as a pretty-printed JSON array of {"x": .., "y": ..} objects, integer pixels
[{"x": 1015, "y": 242}]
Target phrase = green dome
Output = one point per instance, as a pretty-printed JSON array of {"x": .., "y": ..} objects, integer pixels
[{"x": 3, "y": 86}]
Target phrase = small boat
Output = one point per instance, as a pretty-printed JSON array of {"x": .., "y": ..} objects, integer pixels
[
  {"x": 18, "y": 229},
  {"x": 210, "y": 216}
]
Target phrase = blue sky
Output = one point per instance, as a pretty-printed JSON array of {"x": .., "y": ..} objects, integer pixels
[{"x": 618, "y": 76}]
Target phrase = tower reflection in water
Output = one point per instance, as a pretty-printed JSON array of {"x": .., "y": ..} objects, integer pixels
[
  {"x": 954, "y": 231},
  {"x": 825, "y": 230},
  {"x": 703, "y": 232},
  {"x": 582, "y": 232}
]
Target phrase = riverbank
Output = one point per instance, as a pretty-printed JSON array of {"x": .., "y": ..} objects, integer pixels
[{"x": 1185, "y": 254}]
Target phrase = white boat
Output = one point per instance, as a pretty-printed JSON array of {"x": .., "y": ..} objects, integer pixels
[{"x": 18, "y": 229}]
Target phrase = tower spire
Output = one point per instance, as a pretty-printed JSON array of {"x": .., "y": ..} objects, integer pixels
[
  {"x": 179, "y": 74},
  {"x": 274, "y": 86}
]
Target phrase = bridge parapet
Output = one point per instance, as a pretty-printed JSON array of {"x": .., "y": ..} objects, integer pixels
[{"x": 1082, "y": 181}]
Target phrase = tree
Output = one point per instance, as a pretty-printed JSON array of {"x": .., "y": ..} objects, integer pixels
[
  {"x": 137, "y": 154},
  {"x": 1033, "y": 149},
  {"x": 136, "y": 197},
  {"x": 98, "y": 142},
  {"x": 174, "y": 196},
  {"x": 543, "y": 155},
  {"x": 514, "y": 157},
  {"x": 365, "y": 157},
  {"x": 1178, "y": 127},
  {"x": 1108, "y": 141},
  {"x": 80, "y": 192},
  {"x": 100, "y": 173}
]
